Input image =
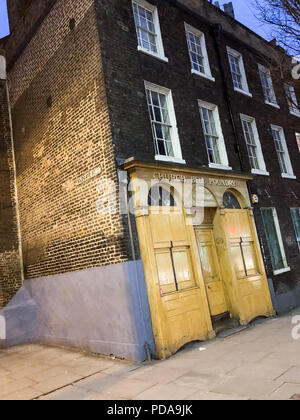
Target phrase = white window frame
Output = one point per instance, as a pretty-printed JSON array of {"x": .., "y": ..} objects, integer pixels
[
  {"x": 286, "y": 268},
  {"x": 160, "y": 48},
  {"x": 207, "y": 71},
  {"x": 267, "y": 73},
  {"x": 298, "y": 140},
  {"x": 260, "y": 157},
  {"x": 239, "y": 57},
  {"x": 288, "y": 164},
  {"x": 221, "y": 142},
  {"x": 177, "y": 158},
  {"x": 292, "y": 100},
  {"x": 295, "y": 208}
]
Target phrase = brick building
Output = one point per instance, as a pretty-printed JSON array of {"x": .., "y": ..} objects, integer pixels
[{"x": 151, "y": 91}]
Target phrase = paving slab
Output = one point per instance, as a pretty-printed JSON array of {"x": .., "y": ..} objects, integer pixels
[{"x": 260, "y": 362}]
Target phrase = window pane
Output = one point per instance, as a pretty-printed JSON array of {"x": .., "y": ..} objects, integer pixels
[
  {"x": 281, "y": 153},
  {"x": 161, "y": 123},
  {"x": 272, "y": 238},
  {"x": 211, "y": 135},
  {"x": 144, "y": 21},
  {"x": 195, "y": 51},
  {"x": 296, "y": 221}
]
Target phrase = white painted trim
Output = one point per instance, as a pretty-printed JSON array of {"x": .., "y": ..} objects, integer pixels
[
  {"x": 207, "y": 69},
  {"x": 272, "y": 104},
  {"x": 288, "y": 176},
  {"x": 280, "y": 241},
  {"x": 292, "y": 100},
  {"x": 260, "y": 156},
  {"x": 243, "y": 92},
  {"x": 193, "y": 71},
  {"x": 170, "y": 159},
  {"x": 222, "y": 146},
  {"x": 160, "y": 47},
  {"x": 266, "y": 71},
  {"x": 174, "y": 131},
  {"x": 153, "y": 54},
  {"x": 283, "y": 270},
  {"x": 288, "y": 162},
  {"x": 260, "y": 172},
  {"x": 294, "y": 223},
  {"x": 295, "y": 115},
  {"x": 239, "y": 56},
  {"x": 220, "y": 166}
]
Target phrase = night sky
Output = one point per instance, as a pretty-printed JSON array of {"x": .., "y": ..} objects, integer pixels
[{"x": 242, "y": 10}]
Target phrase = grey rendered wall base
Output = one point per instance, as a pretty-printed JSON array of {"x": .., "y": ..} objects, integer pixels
[
  {"x": 18, "y": 320},
  {"x": 288, "y": 300},
  {"x": 104, "y": 310}
]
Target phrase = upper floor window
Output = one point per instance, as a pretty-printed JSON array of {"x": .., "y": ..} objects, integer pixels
[
  {"x": 148, "y": 29},
  {"x": 252, "y": 139},
  {"x": 238, "y": 71},
  {"x": 282, "y": 152},
  {"x": 163, "y": 122},
  {"x": 298, "y": 140},
  {"x": 213, "y": 134},
  {"x": 292, "y": 100},
  {"x": 267, "y": 85},
  {"x": 198, "y": 52}
]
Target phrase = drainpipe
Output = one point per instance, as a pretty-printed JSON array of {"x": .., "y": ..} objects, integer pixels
[
  {"x": 123, "y": 186},
  {"x": 3, "y": 76},
  {"x": 217, "y": 31}
]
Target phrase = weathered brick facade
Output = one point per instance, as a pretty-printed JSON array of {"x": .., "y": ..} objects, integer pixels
[
  {"x": 78, "y": 103},
  {"x": 66, "y": 136},
  {"x": 10, "y": 264},
  {"x": 126, "y": 70}
]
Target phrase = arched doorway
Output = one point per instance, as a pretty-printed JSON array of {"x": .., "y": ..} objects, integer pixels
[{"x": 176, "y": 291}]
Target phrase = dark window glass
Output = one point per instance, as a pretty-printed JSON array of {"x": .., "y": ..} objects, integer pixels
[
  {"x": 230, "y": 201},
  {"x": 158, "y": 196}
]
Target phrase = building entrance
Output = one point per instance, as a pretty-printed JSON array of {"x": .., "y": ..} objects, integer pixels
[{"x": 197, "y": 268}]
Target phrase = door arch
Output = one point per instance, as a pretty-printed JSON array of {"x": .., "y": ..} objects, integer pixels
[{"x": 176, "y": 291}]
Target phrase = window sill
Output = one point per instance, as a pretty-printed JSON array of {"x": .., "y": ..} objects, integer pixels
[
  {"x": 220, "y": 166},
  {"x": 152, "y": 54},
  {"x": 170, "y": 159},
  {"x": 288, "y": 176},
  {"x": 206, "y": 76},
  {"x": 260, "y": 172},
  {"x": 281, "y": 271},
  {"x": 272, "y": 104},
  {"x": 295, "y": 114},
  {"x": 244, "y": 92}
]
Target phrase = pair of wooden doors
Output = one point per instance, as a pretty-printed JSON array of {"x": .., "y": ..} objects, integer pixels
[{"x": 191, "y": 278}]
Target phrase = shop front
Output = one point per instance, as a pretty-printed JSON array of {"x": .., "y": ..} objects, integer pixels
[{"x": 200, "y": 251}]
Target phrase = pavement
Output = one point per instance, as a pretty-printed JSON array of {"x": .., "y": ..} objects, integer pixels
[{"x": 261, "y": 362}]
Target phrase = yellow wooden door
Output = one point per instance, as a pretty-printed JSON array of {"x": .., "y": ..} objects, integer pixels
[
  {"x": 182, "y": 308},
  {"x": 251, "y": 286},
  {"x": 211, "y": 272}
]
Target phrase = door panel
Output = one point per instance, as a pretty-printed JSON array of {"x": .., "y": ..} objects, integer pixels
[
  {"x": 181, "y": 307},
  {"x": 252, "y": 288},
  {"x": 211, "y": 272}
]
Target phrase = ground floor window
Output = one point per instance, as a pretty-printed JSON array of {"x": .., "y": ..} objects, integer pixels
[
  {"x": 274, "y": 238},
  {"x": 296, "y": 221}
]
